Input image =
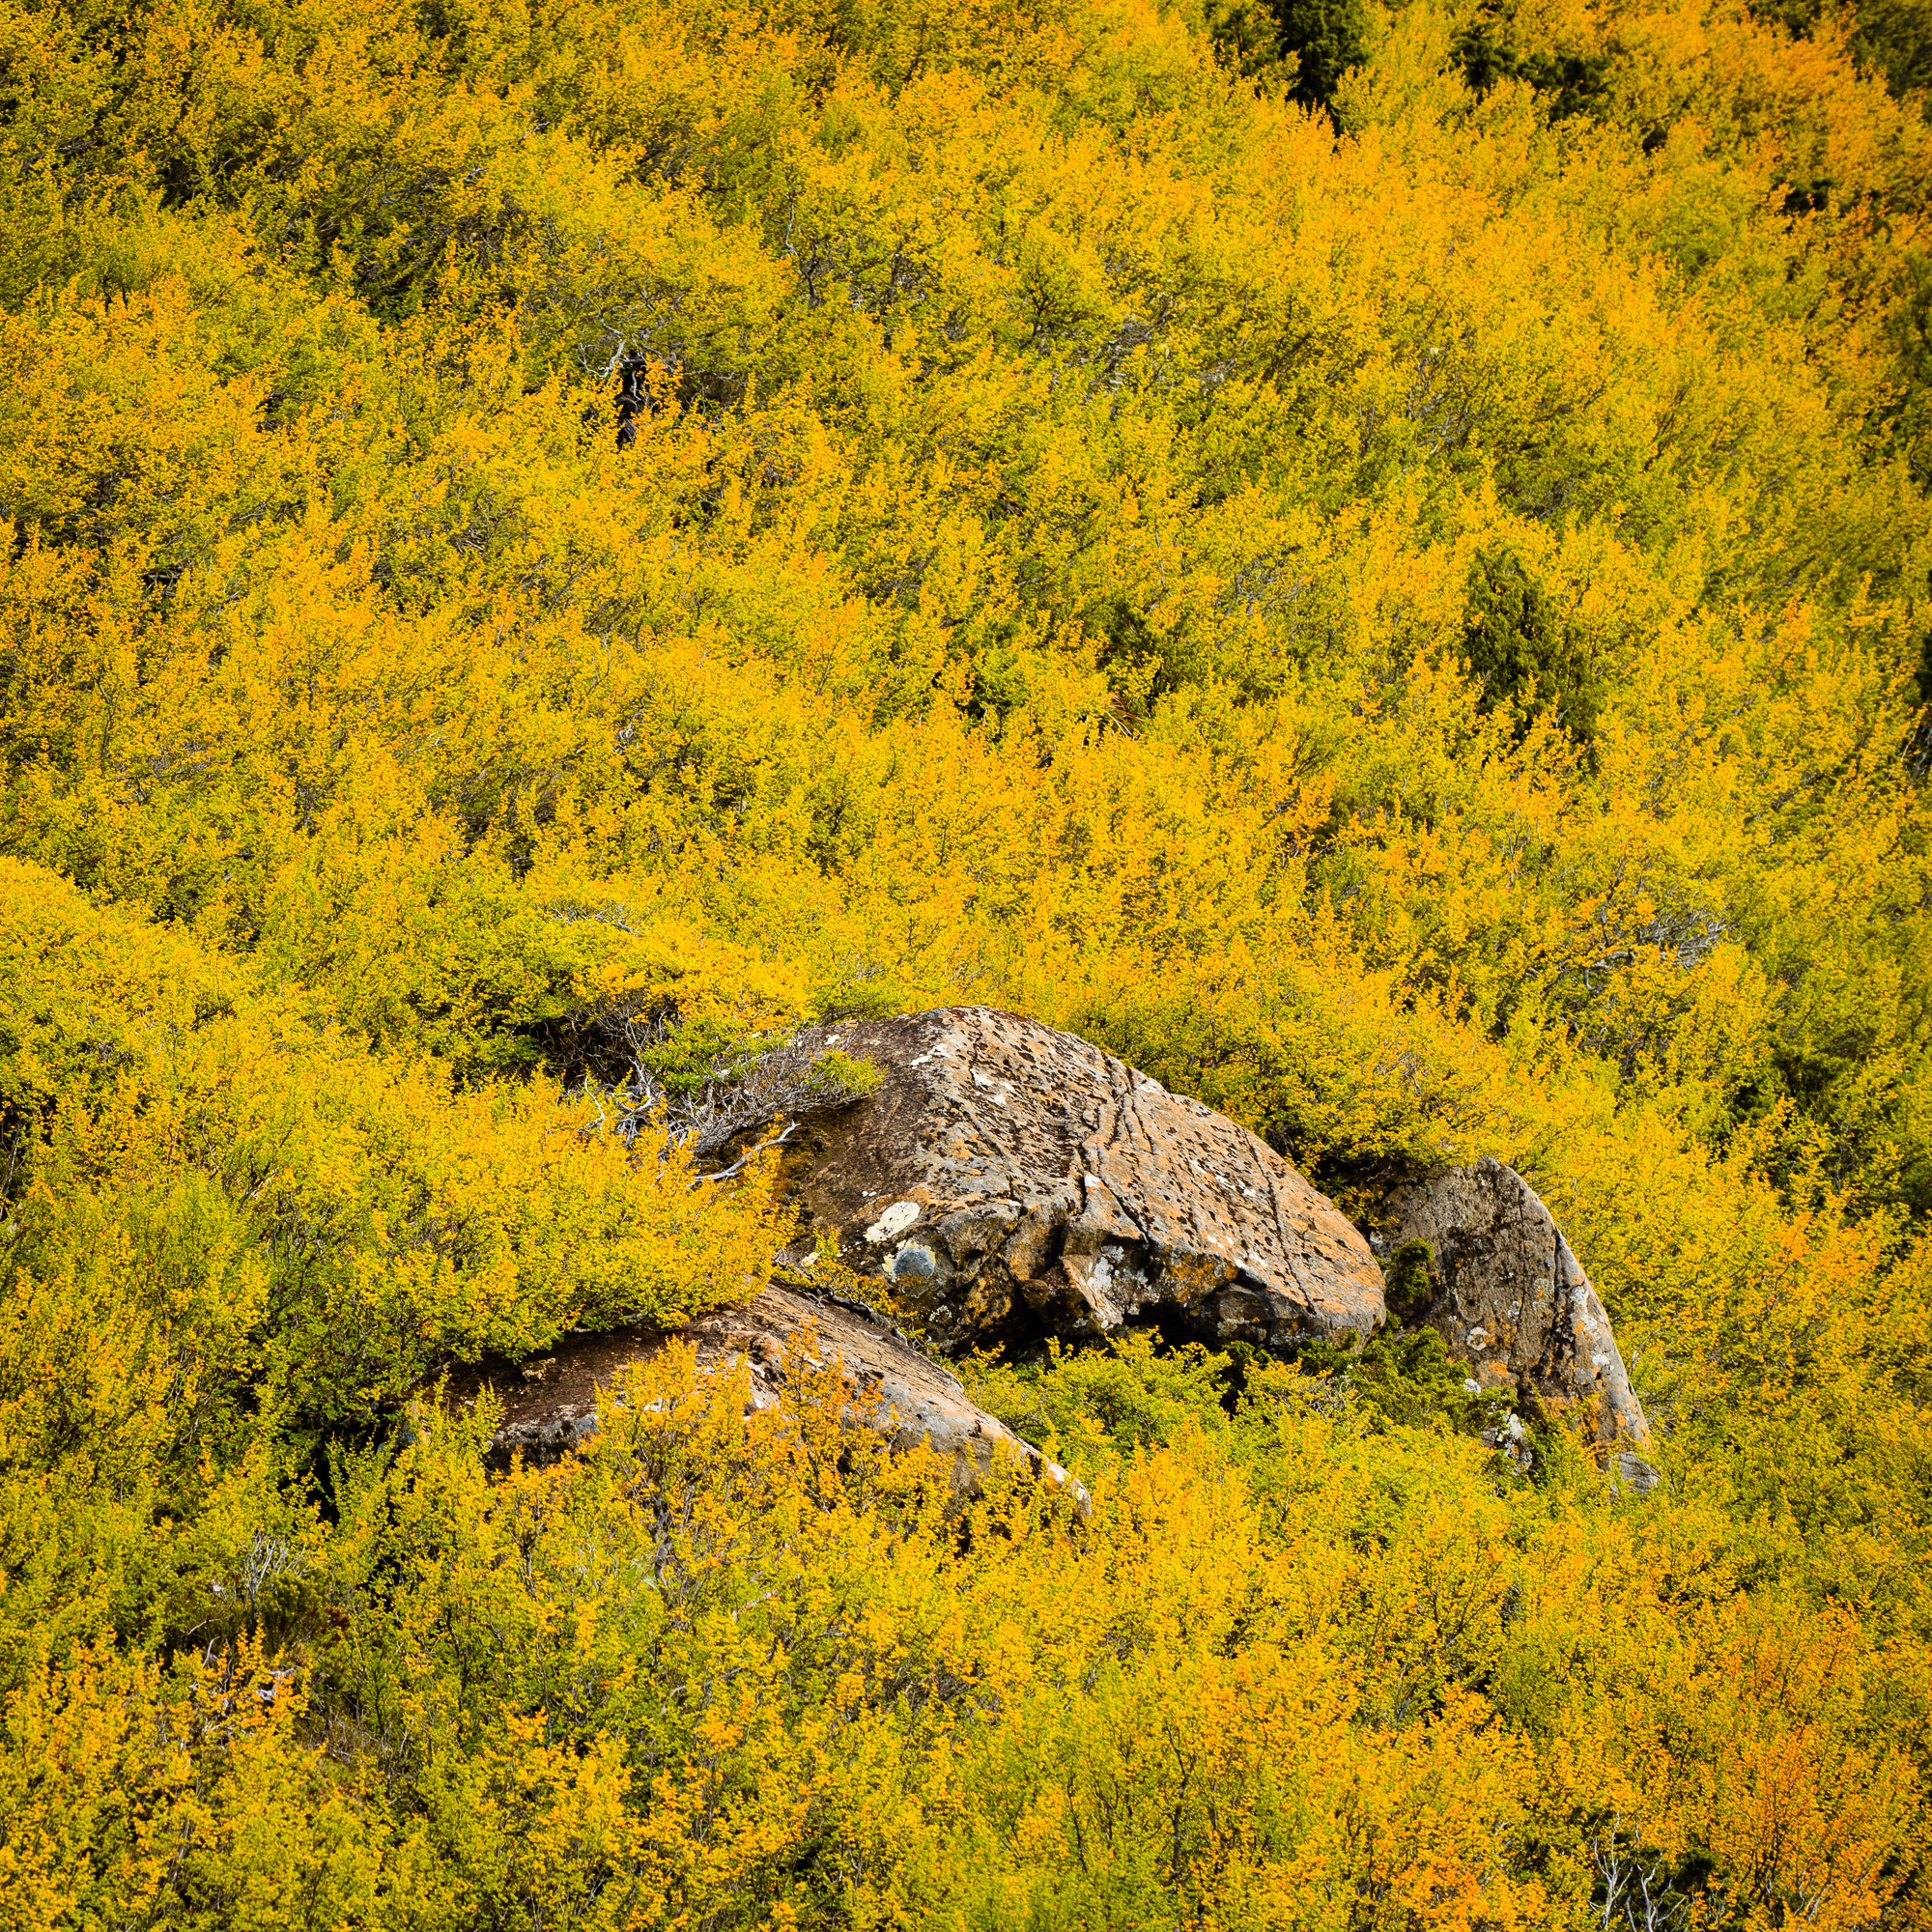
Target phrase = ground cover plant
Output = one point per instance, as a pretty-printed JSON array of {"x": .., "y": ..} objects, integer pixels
[{"x": 1374, "y": 560}]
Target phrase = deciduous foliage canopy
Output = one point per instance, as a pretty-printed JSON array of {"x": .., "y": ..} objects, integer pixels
[{"x": 1375, "y": 562}]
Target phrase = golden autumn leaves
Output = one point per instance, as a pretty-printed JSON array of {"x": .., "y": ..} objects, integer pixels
[{"x": 1407, "y": 633}]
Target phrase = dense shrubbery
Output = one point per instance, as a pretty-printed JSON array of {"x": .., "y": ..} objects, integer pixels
[{"x": 1405, "y": 618}]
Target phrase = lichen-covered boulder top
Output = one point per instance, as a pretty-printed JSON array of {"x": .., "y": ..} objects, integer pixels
[{"x": 1015, "y": 1182}]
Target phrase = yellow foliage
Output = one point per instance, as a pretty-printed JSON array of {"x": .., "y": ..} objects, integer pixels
[{"x": 1406, "y": 620}]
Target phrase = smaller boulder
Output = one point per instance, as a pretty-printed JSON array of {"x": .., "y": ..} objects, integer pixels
[
  {"x": 1509, "y": 1297},
  {"x": 895, "y": 1390}
]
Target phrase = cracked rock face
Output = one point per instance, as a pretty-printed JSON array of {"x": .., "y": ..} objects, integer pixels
[
  {"x": 1511, "y": 1299},
  {"x": 1013, "y": 1183},
  {"x": 895, "y": 1390}
]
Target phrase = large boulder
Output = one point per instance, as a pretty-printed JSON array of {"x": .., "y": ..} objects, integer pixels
[
  {"x": 1013, "y": 1183},
  {"x": 551, "y": 1408},
  {"x": 1510, "y": 1298}
]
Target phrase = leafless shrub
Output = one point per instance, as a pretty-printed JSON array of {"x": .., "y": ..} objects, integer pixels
[
  {"x": 741, "y": 1094},
  {"x": 1638, "y": 1896}
]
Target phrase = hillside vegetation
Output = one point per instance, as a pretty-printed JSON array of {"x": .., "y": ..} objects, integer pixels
[{"x": 1374, "y": 561}]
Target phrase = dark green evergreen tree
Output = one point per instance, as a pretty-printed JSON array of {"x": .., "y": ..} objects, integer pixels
[
  {"x": 1327, "y": 38},
  {"x": 1524, "y": 651}
]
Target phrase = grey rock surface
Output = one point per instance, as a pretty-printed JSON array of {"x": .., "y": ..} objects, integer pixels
[
  {"x": 1014, "y": 1182},
  {"x": 1510, "y": 1298}
]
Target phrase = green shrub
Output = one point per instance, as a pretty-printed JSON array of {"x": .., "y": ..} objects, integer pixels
[
  {"x": 1326, "y": 37},
  {"x": 1522, "y": 651}
]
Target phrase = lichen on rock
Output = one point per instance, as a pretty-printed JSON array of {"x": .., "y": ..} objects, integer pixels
[
  {"x": 1014, "y": 1182},
  {"x": 1509, "y": 1297}
]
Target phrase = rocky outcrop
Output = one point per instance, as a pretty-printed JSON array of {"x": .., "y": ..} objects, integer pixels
[
  {"x": 551, "y": 1407},
  {"x": 1013, "y": 1183},
  {"x": 1510, "y": 1298}
]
